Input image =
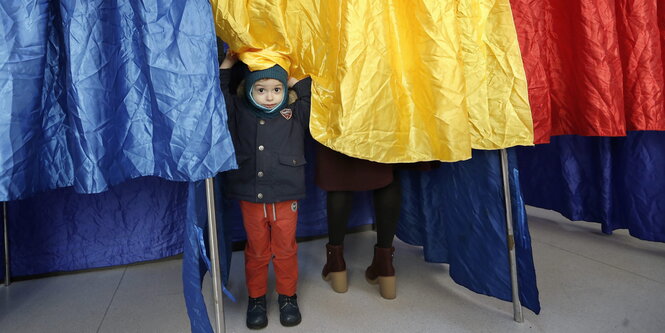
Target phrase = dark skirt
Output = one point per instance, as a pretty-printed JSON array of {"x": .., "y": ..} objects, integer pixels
[{"x": 338, "y": 172}]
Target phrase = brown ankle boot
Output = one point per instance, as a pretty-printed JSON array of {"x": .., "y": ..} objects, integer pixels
[
  {"x": 381, "y": 271},
  {"x": 335, "y": 268}
]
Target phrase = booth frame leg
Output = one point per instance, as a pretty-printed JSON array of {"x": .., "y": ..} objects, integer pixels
[
  {"x": 214, "y": 257},
  {"x": 5, "y": 233},
  {"x": 510, "y": 237}
]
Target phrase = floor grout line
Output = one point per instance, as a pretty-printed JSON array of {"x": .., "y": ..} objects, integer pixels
[
  {"x": 601, "y": 262},
  {"x": 112, "y": 298}
]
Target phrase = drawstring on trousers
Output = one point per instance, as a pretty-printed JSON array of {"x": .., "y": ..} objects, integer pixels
[{"x": 274, "y": 213}]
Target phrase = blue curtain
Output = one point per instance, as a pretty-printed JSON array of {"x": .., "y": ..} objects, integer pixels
[
  {"x": 62, "y": 230},
  {"x": 617, "y": 182},
  {"x": 196, "y": 260},
  {"x": 93, "y": 93},
  {"x": 457, "y": 213}
]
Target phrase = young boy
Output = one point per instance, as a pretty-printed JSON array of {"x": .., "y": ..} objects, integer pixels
[{"x": 268, "y": 136}]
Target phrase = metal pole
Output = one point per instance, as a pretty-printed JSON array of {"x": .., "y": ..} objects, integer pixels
[
  {"x": 214, "y": 257},
  {"x": 517, "y": 306},
  {"x": 6, "y": 236}
]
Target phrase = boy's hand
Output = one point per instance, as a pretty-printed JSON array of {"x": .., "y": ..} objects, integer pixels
[
  {"x": 292, "y": 82},
  {"x": 229, "y": 60}
]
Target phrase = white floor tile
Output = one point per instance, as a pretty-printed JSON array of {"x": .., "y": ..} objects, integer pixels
[
  {"x": 67, "y": 303},
  {"x": 149, "y": 299},
  {"x": 619, "y": 250}
]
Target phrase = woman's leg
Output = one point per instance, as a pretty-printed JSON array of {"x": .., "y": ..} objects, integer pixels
[
  {"x": 387, "y": 208},
  {"x": 339, "y": 208},
  {"x": 339, "y": 204},
  {"x": 387, "y": 202}
]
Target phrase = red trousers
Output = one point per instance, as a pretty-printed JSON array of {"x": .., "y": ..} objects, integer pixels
[{"x": 271, "y": 234}]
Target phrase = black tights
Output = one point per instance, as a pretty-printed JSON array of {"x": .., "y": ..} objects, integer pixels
[{"x": 386, "y": 209}]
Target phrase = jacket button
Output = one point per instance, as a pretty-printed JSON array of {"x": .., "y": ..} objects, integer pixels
[
  {"x": 262, "y": 122},
  {"x": 260, "y": 174},
  {"x": 260, "y": 195},
  {"x": 261, "y": 148}
]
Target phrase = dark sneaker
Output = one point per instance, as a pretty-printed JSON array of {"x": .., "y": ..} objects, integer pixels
[
  {"x": 289, "y": 314},
  {"x": 256, "y": 313}
]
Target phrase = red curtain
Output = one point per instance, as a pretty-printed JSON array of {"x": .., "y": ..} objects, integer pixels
[{"x": 594, "y": 67}]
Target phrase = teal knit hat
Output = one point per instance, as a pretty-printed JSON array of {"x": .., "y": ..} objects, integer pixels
[{"x": 275, "y": 72}]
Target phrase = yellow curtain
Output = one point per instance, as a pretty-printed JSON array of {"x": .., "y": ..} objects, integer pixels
[{"x": 394, "y": 80}]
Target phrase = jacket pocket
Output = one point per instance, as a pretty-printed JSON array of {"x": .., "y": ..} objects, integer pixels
[
  {"x": 290, "y": 175},
  {"x": 292, "y": 160}
]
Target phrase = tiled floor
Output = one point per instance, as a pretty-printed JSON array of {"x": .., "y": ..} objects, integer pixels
[{"x": 588, "y": 282}]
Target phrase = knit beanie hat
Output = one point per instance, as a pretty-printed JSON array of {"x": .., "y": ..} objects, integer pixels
[{"x": 275, "y": 72}]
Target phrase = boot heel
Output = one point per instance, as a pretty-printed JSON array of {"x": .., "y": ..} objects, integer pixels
[
  {"x": 387, "y": 287},
  {"x": 338, "y": 281}
]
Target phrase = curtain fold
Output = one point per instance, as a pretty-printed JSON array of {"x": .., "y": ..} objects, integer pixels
[
  {"x": 594, "y": 67},
  {"x": 617, "y": 182},
  {"x": 457, "y": 214},
  {"x": 196, "y": 259},
  {"x": 94, "y": 93}
]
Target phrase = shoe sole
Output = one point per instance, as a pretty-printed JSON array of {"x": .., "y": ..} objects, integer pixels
[
  {"x": 338, "y": 281},
  {"x": 258, "y": 327},
  {"x": 387, "y": 286},
  {"x": 290, "y": 324}
]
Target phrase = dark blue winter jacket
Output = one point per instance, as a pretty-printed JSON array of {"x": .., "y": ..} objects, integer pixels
[{"x": 270, "y": 152}]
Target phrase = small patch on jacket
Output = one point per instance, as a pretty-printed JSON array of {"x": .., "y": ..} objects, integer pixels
[
  {"x": 294, "y": 206},
  {"x": 286, "y": 113}
]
